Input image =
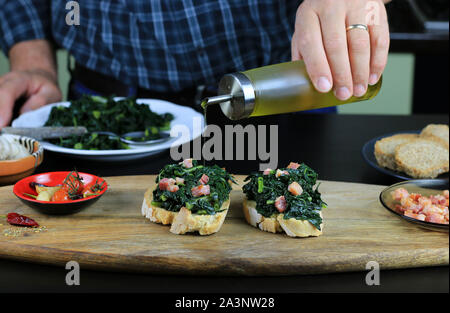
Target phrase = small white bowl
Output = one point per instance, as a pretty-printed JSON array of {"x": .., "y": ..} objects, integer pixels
[{"x": 12, "y": 171}]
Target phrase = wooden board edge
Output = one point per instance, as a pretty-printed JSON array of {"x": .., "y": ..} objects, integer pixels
[{"x": 224, "y": 267}]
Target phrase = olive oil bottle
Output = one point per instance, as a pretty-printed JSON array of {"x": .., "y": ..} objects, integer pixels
[{"x": 275, "y": 89}]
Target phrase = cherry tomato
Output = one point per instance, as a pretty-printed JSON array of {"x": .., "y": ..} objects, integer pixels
[
  {"x": 87, "y": 191},
  {"x": 92, "y": 189},
  {"x": 61, "y": 195},
  {"x": 73, "y": 183}
]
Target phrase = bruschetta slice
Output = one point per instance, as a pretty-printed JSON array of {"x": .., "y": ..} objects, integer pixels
[
  {"x": 189, "y": 197},
  {"x": 284, "y": 200}
]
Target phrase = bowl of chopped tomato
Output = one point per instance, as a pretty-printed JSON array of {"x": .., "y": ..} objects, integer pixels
[
  {"x": 421, "y": 201},
  {"x": 60, "y": 193}
]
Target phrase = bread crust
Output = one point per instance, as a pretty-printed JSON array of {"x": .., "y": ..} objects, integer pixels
[
  {"x": 154, "y": 213},
  {"x": 184, "y": 221},
  {"x": 277, "y": 224},
  {"x": 270, "y": 224}
]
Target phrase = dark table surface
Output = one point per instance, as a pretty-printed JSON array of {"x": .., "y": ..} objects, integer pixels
[{"x": 331, "y": 144}]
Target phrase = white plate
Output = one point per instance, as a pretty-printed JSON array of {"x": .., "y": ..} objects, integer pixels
[{"x": 182, "y": 116}]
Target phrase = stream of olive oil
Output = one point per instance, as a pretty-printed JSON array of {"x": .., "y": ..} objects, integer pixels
[{"x": 204, "y": 105}]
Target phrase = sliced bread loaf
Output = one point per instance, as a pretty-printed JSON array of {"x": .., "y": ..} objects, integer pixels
[
  {"x": 385, "y": 149},
  {"x": 422, "y": 158}
]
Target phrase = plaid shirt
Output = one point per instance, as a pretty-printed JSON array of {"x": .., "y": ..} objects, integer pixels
[{"x": 161, "y": 45}]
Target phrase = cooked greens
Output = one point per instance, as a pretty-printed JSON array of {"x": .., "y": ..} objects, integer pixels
[
  {"x": 92, "y": 141},
  {"x": 265, "y": 189},
  {"x": 219, "y": 184},
  {"x": 106, "y": 114}
]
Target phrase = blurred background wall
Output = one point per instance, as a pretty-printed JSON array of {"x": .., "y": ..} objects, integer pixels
[{"x": 395, "y": 97}]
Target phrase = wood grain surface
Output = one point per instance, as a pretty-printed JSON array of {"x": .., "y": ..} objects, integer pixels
[{"x": 112, "y": 235}]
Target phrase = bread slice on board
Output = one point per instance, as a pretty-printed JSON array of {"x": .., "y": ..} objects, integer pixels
[
  {"x": 422, "y": 158},
  {"x": 437, "y": 131},
  {"x": 184, "y": 221},
  {"x": 385, "y": 149},
  {"x": 277, "y": 224}
]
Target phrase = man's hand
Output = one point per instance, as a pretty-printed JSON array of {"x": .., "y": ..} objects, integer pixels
[
  {"x": 33, "y": 75},
  {"x": 346, "y": 61}
]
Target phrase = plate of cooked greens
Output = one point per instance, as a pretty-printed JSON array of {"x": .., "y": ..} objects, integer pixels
[{"x": 153, "y": 118}]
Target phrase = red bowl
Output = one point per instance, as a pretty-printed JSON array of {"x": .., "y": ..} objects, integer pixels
[{"x": 54, "y": 179}]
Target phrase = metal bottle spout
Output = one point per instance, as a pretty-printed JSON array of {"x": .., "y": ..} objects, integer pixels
[
  {"x": 216, "y": 100},
  {"x": 236, "y": 96}
]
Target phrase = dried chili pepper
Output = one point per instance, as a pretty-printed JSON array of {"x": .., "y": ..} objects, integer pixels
[{"x": 20, "y": 220}]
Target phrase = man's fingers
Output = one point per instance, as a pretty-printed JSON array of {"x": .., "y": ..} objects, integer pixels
[
  {"x": 44, "y": 95},
  {"x": 335, "y": 43},
  {"x": 33, "y": 103},
  {"x": 355, "y": 58},
  {"x": 295, "y": 51},
  {"x": 6, "y": 107},
  {"x": 359, "y": 52},
  {"x": 307, "y": 43},
  {"x": 11, "y": 88},
  {"x": 379, "y": 37},
  {"x": 37, "y": 87}
]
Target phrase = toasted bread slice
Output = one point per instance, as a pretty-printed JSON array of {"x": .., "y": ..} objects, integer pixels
[
  {"x": 154, "y": 213},
  {"x": 385, "y": 149},
  {"x": 437, "y": 131},
  {"x": 184, "y": 221},
  {"x": 422, "y": 158},
  {"x": 277, "y": 224}
]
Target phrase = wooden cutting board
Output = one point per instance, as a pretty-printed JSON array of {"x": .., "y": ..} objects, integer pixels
[{"x": 112, "y": 235}]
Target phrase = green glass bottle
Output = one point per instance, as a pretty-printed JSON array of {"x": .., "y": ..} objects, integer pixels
[{"x": 275, "y": 89}]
